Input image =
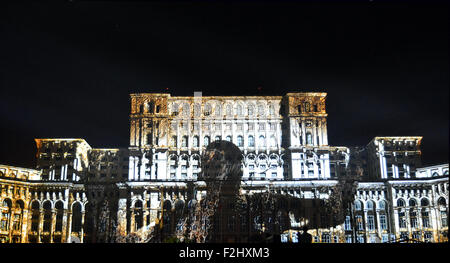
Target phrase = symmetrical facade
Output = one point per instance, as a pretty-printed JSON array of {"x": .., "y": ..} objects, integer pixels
[{"x": 284, "y": 146}]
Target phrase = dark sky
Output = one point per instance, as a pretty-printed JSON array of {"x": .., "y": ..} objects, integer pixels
[{"x": 67, "y": 67}]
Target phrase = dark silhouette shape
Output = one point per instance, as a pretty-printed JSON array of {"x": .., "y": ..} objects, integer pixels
[{"x": 305, "y": 238}]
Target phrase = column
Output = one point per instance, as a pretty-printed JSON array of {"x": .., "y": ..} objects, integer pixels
[
  {"x": 69, "y": 226},
  {"x": 325, "y": 135},
  {"x": 396, "y": 227},
  {"x": 64, "y": 227},
  {"x": 303, "y": 132},
  {"x": 52, "y": 225},
  {"x": 25, "y": 226},
  {"x": 419, "y": 221},
  {"x": 320, "y": 132},
  {"x": 82, "y": 226},
  {"x": 41, "y": 224}
]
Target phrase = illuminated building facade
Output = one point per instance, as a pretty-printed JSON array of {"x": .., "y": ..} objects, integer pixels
[{"x": 283, "y": 139}]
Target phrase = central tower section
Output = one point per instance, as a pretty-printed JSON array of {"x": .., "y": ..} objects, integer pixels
[{"x": 280, "y": 137}]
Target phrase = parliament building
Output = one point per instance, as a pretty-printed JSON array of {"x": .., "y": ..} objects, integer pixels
[{"x": 78, "y": 193}]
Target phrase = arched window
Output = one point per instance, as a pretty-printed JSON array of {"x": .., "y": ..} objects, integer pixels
[
  {"x": 217, "y": 138},
  {"x": 151, "y": 106},
  {"x": 184, "y": 141},
  {"x": 412, "y": 202},
  {"x": 138, "y": 215},
  {"x": 228, "y": 138},
  {"x": 381, "y": 205},
  {"x": 309, "y": 138},
  {"x": 239, "y": 110},
  {"x": 206, "y": 141},
  {"x": 424, "y": 202},
  {"x": 369, "y": 205},
  {"x": 250, "y": 110},
  {"x": 357, "y": 205},
  {"x": 228, "y": 110},
  {"x": 273, "y": 141},
  {"x": 76, "y": 217},
  {"x": 207, "y": 110},
  {"x": 59, "y": 207},
  {"x": 35, "y": 216},
  {"x": 240, "y": 141},
  {"x": 261, "y": 110},
  {"x": 262, "y": 141},
  {"x": 173, "y": 141},
  {"x": 400, "y": 202},
  {"x": 251, "y": 141},
  {"x": 195, "y": 141}
]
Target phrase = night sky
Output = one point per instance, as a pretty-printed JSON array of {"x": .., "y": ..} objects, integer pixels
[{"x": 67, "y": 68}]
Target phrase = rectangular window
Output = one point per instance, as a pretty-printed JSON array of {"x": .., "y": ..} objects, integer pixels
[
  {"x": 359, "y": 221},
  {"x": 401, "y": 219},
  {"x": 360, "y": 238},
  {"x": 370, "y": 223},
  {"x": 348, "y": 239},
  {"x": 413, "y": 222},
  {"x": 404, "y": 235},
  {"x": 383, "y": 223},
  {"x": 425, "y": 219},
  {"x": 416, "y": 236},
  {"x": 384, "y": 238},
  {"x": 444, "y": 218},
  {"x": 428, "y": 236},
  {"x": 335, "y": 239},
  {"x": 347, "y": 224}
]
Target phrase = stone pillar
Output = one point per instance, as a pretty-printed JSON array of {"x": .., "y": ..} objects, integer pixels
[
  {"x": 52, "y": 225},
  {"x": 408, "y": 222},
  {"x": 69, "y": 226},
  {"x": 420, "y": 223},
  {"x": 64, "y": 227},
  {"x": 396, "y": 226},
  {"x": 122, "y": 217},
  {"x": 25, "y": 226},
  {"x": 41, "y": 224},
  {"x": 325, "y": 135},
  {"x": 82, "y": 226}
]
